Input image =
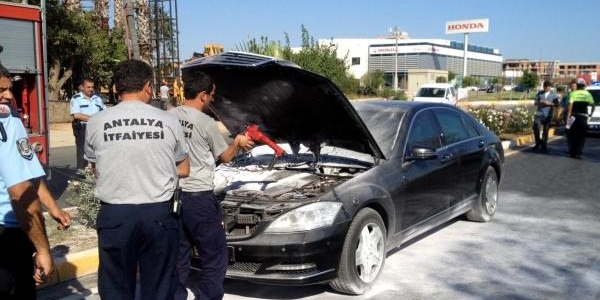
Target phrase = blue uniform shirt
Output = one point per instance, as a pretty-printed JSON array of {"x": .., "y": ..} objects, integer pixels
[
  {"x": 80, "y": 104},
  {"x": 18, "y": 163}
]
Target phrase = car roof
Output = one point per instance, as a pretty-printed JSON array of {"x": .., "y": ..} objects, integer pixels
[
  {"x": 595, "y": 86},
  {"x": 436, "y": 85}
]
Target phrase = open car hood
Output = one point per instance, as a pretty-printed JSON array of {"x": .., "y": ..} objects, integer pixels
[{"x": 288, "y": 104}]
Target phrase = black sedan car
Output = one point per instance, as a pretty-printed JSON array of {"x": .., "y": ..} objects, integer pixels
[{"x": 356, "y": 181}]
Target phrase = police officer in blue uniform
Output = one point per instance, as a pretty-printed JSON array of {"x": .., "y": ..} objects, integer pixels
[
  {"x": 22, "y": 230},
  {"x": 84, "y": 105}
]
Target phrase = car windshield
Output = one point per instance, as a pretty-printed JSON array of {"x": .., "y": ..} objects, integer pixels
[
  {"x": 383, "y": 123},
  {"x": 596, "y": 95},
  {"x": 431, "y": 92}
]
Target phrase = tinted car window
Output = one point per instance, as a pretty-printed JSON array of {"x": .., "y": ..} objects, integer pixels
[
  {"x": 383, "y": 124},
  {"x": 452, "y": 125},
  {"x": 471, "y": 130},
  {"x": 596, "y": 96},
  {"x": 431, "y": 92},
  {"x": 423, "y": 132}
]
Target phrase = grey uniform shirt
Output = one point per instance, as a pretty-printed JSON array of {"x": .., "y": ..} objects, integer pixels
[
  {"x": 135, "y": 147},
  {"x": 205, "y": 143}
]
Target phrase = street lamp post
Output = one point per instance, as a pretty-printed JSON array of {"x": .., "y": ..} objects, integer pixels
[{"x": 396, "y": 32}]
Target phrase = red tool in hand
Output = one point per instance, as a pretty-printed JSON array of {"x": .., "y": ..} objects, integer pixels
[{"x": 253, "y": 133}]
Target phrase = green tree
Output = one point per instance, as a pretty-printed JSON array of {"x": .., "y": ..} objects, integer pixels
[
  {"x": 441, "y": 79},
  {"x": 372, "y": 82},
  {"x": 78, "y": 48},
  {"x": 320, "y": 59},
  {"x": 451, "y": 75},
  {"x": 470, "y": 81},
  {"x": 529, "y": 80}
]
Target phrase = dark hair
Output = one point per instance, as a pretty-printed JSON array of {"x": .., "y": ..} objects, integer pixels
[
  {"x": 560, "y": 89},
  {"x": 86, "y": 79},
  {"x": 547, "y": 83},
  {"x": 131, "y": 76},
  {"x": 4, "y": 72},
  {"x": 195, "y": 82}
]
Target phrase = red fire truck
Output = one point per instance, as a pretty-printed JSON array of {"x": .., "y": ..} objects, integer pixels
[{"x": 22, "y": 31}]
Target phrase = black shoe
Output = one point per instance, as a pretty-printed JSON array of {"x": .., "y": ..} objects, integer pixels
[
  {"x": 535, "y": 148},
  {"x": 544, "y": 149}
]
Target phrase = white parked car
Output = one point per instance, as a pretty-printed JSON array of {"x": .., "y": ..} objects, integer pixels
[
  {"x": 438, "y": 93},
  {"x": 507, "y": 88},
  {"x": 594, "y": 121}
]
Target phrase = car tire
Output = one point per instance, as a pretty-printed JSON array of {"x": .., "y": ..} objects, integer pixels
[
  {"x": 487, "y": 202},
  {"x": 363, "y": 255}
]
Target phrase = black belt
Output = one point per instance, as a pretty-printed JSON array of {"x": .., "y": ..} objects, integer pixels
[{"x": 201, "y": 193}]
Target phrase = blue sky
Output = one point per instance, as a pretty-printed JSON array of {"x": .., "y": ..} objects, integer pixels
[{"x": 564, "y": 30}]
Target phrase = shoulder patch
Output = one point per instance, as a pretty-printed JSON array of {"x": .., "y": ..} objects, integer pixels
[
  {"x": 4, "y": 111},
  {"x": 76, "y": 96},
  {"x": 24, "y": 148}
]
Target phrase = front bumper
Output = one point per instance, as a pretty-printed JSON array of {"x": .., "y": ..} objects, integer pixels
[
  {"x": 287, "y": 259},
  {"x": 593, "y": 127}
]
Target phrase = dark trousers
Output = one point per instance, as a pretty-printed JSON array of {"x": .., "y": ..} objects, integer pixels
[
  {"x": 144, "y": 236},
  {"x": 16, "y": 265},
  {"x": 79, "y": 143},
  {"x": 202, "y": 226},
  {"x": 576, "y": 135},
  {"x": 542, "y": 123}
]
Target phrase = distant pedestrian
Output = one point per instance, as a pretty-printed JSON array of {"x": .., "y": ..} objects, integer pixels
[
  {"x": 563, "y": 97},
  {"x": 545, "y": 101},
  {"x": 138, "y": 152},
  {"x": 164, "y": 95},
  {"x": 579, "y": 100},
  {"x": 84, "y": 105}
]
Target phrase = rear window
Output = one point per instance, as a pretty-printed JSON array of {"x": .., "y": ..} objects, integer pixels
[
  {"x": 596, "y": 95},
  {"x": 431, "y": 92}
]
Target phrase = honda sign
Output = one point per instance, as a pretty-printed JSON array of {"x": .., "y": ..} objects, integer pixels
[{"x": 468, "y": 26}]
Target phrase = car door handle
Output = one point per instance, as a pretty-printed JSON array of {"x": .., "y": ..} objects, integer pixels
[
  {"x": 445, "y": 157},
  {"x": 481, "y": 143}
]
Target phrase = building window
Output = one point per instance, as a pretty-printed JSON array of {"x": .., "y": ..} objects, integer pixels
[{"x": 355, "y": 61}]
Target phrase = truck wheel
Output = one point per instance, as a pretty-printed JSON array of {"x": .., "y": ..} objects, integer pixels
[
  {"x": 363, "y": 254},
  {"x": 485, "y": 205}
]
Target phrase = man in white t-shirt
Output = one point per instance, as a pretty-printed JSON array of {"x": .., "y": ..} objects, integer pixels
[
  {"x": 164, "y": 94},
  {"x": 200, "y": 210}
]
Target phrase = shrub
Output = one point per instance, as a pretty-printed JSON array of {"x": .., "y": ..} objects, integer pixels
[
  {"x": 83, "y": 197},
  {"x": 517, "y": 120}
]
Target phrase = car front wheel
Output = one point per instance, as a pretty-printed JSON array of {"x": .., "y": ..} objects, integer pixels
[
  {"x": 485, "y": 205},
  {"x": 363, "y": 255}
]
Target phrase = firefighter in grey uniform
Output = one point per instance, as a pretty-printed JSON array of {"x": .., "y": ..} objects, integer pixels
[
  {"x": 83, "y": 106},
  {"x": 138, "y": 152}
]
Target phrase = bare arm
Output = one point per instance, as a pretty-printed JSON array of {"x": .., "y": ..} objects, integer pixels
[
  {"x": 26, "y": 206},
  {"x": 60, "y": 216},
  {"x": 81, "y": 117},
  {"x": 183, "y": 168},
  {"x": 240, "y": 141}
]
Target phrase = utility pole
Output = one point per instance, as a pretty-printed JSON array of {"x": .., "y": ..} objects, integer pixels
[
  {"x": 396, "y": 33},
  {"x": 131, "y": 30}
]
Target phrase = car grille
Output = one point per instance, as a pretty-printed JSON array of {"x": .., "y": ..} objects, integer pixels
[
  {"x": 595, "y": 119},
  {"x": 244, "y": 267}
]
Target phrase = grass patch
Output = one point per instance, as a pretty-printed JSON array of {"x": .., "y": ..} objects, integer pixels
[{"x": 77, "y": 238}]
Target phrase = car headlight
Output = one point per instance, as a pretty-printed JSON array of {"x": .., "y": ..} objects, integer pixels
[{"x": 307, "y": 217}]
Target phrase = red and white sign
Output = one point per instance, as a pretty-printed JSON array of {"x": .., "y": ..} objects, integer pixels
[{"x": 468, "y": 26}]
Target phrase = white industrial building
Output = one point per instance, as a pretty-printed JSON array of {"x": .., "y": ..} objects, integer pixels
[{"x": 405, "y": 55}]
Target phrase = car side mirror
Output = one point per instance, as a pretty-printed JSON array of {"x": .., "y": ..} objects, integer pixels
[{"x": 422, "y": 153}]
